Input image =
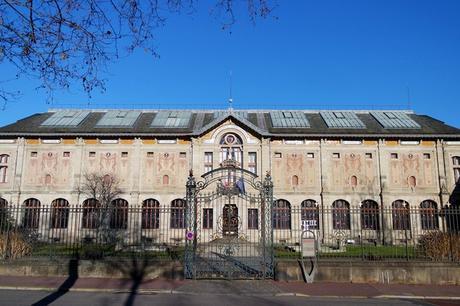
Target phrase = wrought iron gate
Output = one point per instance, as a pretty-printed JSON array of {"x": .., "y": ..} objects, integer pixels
[{"x": 229, "y": 225}]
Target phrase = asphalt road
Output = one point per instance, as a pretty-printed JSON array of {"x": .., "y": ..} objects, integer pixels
[{"x": 40, "y": 298}]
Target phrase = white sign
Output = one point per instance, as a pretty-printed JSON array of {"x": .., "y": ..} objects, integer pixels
[
  {"x": 308, "y": 247},
  {"x": 306, "y": 224}
]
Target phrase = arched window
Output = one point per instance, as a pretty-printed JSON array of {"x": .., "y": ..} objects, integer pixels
[
  {"x": 107, "y": 180},
  {"x": 231, "y": 151},
  {"x": 354, "y": 181},
  {"x": 456, "y": 164},
  {"x": 48, "y": 179},
  {"x": 341, "y": 215},
  {"x": 400, "y": 213},
  {"x": 310, "y": 213},
  {"x": 231, "y": 148},
  {"x": 281, "y": 214},
  {"x": 429, "y": 215},
  {"x": 91, "y": 214},
  {"x": 4, "y": 216},
  {"x": 4, "y": 158},
  {"x": 31, "y": 213},
  {"x": 150, "y": 214},
  {"x": 119, "y": 215},
  {"x": 295, "y": 180},
  {"x": 177, "y": 214},
  {"x": 452, "y": 215},
  {"x": 59, "y": 213},
  {"x": 4, "y": 168},
  {"x": 165, "y": 180},
  {"x": 370, "y": 216},
  {"x": 412, "y": 181}
]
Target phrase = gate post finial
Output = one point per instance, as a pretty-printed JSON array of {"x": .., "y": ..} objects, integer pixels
[
  {"x": 268, "y": 180},
  {"x": 191, "y": 180}
]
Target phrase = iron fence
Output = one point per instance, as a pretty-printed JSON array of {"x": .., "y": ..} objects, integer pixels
[
  {"x": 365, "y": 233},
  {"x": 370, "y": 233},
  {"x": 92, "y": 232}
]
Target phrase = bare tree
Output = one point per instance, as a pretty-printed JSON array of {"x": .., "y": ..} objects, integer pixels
[
  {"x": 104, "y": 188},
  {"x": 62, "y": 42}
]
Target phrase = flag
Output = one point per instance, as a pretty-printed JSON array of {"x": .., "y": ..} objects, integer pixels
[{"x": 240, "y": 185}]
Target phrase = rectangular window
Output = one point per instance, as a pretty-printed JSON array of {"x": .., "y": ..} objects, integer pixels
[
  {"x": 33, "y": 154},
  {"x": 66, "y": 154},
  {"x": 207, "y": 218},
  {"x": 456, "y": 163},
  {"x": 278, "y": 155},
  {"x": 208, "y": 160},
  {"x": 252, "y": 162},
  {"x": 310, "y": 155},
  {"x": 4, "y": 159},
  {"x": 426, "y": 156},
  {"x": 369, "y": 155},
  {"x": 183, "y": 154},
  {"x": 124, "y": 154},
  {"x": 92, "y": 154},
  {"x": 394, "y": 155},
  {"x": 253, "y": 218},
  {"x": 3, "y": 178},
  {"x": 335, "y": 155},
  {"x": 457, "y": 175},
  {"x": 149, "y": 154}
]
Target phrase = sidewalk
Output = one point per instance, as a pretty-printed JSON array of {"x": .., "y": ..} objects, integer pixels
[{"x": 447, "y": 292}]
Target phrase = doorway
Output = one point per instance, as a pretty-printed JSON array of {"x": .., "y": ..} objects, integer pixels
[{"x": 230, "y": 220}]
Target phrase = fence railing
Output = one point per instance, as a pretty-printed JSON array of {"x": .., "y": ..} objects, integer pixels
[
  {"x": 397, "y": 233},
  {"x": 371, "y": 233},
  {"x": 92, "y": 232}
]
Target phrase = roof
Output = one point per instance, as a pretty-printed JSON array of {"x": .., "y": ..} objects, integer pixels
[{"x": 266, "y": 123}]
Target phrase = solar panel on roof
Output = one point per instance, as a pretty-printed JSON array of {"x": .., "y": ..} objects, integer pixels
[
  {"x": 171, "y": 119},
  {"x": 286, "y": 119},
  {"x": 241, "y": 114},
  {"x": 70, "y": 118},
  {"x": 395, "y": 120},
  {"x": 347, "y": 120},
  {"x": 116, "y": 118}
]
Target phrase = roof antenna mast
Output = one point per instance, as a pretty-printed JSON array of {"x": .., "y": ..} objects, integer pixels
[{"x": 230, "y": 99}]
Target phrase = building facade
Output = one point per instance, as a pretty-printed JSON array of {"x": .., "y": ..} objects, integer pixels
[{"x": 333, "y": 161}]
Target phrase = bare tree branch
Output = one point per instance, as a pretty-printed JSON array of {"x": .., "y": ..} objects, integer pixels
[
  {"x": 63, "y": 42},
  {"x": 104, "y": 188}
]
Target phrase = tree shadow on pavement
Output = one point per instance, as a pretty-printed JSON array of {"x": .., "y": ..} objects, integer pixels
[
  {"x": 139, "y": 266},
  {"x": 64, "y": 287},
  {"x": 134, "y": 268}
]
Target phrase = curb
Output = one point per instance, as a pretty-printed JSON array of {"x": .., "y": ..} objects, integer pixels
[
  {"x": 108, "y": 290},
  {"x": 416, "y": 297},
  {"x": 171, "y": 291}
]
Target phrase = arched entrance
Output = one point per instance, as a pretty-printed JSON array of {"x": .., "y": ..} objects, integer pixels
[{"x": 229, "y": 225}]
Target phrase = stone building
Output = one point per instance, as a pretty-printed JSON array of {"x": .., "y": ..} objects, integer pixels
[{"x": 335, "y": 161}]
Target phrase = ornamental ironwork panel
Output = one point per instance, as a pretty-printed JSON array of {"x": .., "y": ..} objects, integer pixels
[{"x": 229, "y": 225}]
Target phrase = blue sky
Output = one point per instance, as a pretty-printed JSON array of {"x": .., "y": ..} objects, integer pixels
[{"x": 315, "y": 54}]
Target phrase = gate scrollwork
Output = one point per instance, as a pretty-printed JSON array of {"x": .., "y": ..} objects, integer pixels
[{"x": 229, "y": 214}]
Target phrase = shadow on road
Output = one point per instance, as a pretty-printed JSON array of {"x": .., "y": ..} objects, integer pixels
[
  {"x": 65, "y": 286},
  {"x": 135, "y": 267}
]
